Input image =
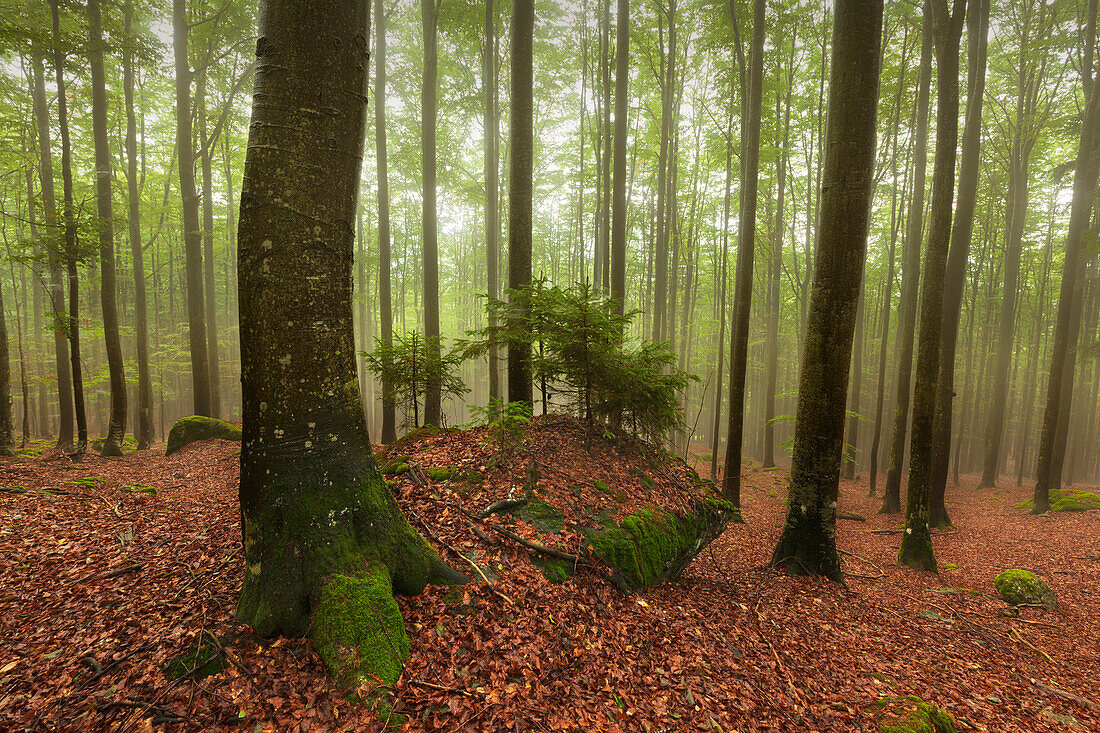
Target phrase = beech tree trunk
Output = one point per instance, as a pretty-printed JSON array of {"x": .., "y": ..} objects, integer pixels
[
  {"x": 910, "y": 275},
  {"x": 192, "y": 234},
  {"x": 385, "y": 260},
  {"x": 492, "y": 186},
  {"x": 325, "y": 543},
  {"x": 116, "y": 430},
  {"x": 618, "y": 183},
  {"x": 808, "y": 542},
  {"x": 143, "y": 430},
  {"x": 739, "y": 327},
  {"x": 521, "y": 151},
  {"x": 916, "y": 541},
  {"x": 430, "y": 216}
]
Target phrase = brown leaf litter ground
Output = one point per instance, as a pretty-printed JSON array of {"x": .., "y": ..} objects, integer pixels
[{"x": 102, "y": 583}]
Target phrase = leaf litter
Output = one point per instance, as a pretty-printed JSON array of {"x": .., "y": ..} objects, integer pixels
[{"x": 102, "y": 584}]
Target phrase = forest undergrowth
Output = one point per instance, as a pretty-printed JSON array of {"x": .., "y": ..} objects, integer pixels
[{"x": 110, "y": 569}]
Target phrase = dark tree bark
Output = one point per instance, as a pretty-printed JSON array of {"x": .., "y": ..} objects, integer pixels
[
  {"x": 618, "y": 183},
  {"x": 192, "y": 234},
  {"x": 325, "y": 543},
  {"x": 1048, "y": 465},
  {"x": 739, "y": 327},
  {"x": 855, "y": 391},
  {"x": 916, "y": 542},
  {"x": 7, "y": 428},
  {"x": 1024, "y": 137},
  {"x": 666, "y": 75},
  {"x": 955, "y": 276},
  {"x": 808, "y": 542},
  {"x": 910, "y": 275},
  {"x": 72, "y": 325},
  {"x": 55, "y": 257},
  {"x": 116, "y": 430},
  {"x": 722, "y": 305},
  {"x": 521, "y": 150},
  {"x": 144, "y": 428},
  {"x": 210, "y": 306},
  {"x": 385, "y": 306},
  {"x": 429, "y": 92},
  {"x": 771, "y": 366},
  {"x": 888, "y": 288},
  {"x": 492, "y": 184}
]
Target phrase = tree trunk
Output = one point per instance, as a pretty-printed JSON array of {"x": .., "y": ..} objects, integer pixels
[
  {"x": 385, "y": 306},
  {"x": 492, "y": 185},
  {"x": 808, "y": 542},
  {"x": 618, "y": 183},
  {"x": 116, "y": 431},
  {"x": 739, "y": 327},
  {"x": 206, "y": 159},
  {"x": 855, "y": 390},
  {"x": 916, "y": 542},
  {"x": 192, "y": 235},
  {"x": 722, "y": 305},
  {"x": 55, "y": 257},
  {"x": 73, "y": 323},
  {"x": 1065, "y": 328},
  {"x": 959, "y": 255},
  {"x": 325, "y": 543},
  {"x": 430, "y": 216},
  {"x": 144, "y": 425},
  {"x": 520, "y": 187},
  {"x": 910, "y": 275}
]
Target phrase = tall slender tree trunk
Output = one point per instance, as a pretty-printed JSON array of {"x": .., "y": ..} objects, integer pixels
[
  {"x": 521, "y": 150},
  {"x": 775, "y": 271},
  {"x": 492, "y": 185},
  {"x": 888, "y": 286},
  {"x": 116, "y": 431},
  {"x": 618, "y": 183},
  {"x": 910, "y": 275},
  {"x": 1048, "y": 465},
  {"x": 430, "y": 215},
  {"x": 916, "y": 541},
  {"x": 144, "y": 427},
  {"x": 808, "y": 542},
  {"x": 958, "y": 257},
  {"x": 192, "y": 234},
  {"x": 210, "y": 307},
  {"x": 54, "y": 255},
  {"x": 71, "y": 255},
  {"x": 739, "y": 328},
  {"x": 855, "y": 390},
  {"x": 723, "y": 307},
  {"x": 385, "y": 264}
]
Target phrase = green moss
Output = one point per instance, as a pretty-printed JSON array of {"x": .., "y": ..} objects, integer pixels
[
  {"x": 196, "y": 427},
  {"x": 910, "y": 714},
  {"x": 89, "y": 482},
  {"x": 144, "y": 489},
  {"x": 1020, "y": 586},
  {"x": 199, "y": 661},
  {"x": 358, "y": 630},
  {"x": 542, "y": 515},
  {"x": 1066, "y": 500},
  {"x": 28, "y": 452},
  {"x": 440, "y": 474},
  {"x": 603, "y": 488},
  {"x": 396, "y": 467},
  {"x": 651, "y": 547}
]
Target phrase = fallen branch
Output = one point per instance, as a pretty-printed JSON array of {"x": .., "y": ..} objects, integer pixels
[
  {"x": 503, "y": 505},
  {"x": 1082, "y": 701},
  {"x": 101, "y": 670},
  {"x": 1031, "y": 646},
  {"x": 852, "y": 516},
  {"x": 537, "y": 547},
  {"x": 473, "y": 564},
  {"x": 885, "y": 531},
  {"x": 881, "y": 572},
  {"x": 111, "y": 573}
]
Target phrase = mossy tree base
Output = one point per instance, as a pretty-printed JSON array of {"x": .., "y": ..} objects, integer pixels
[
  {"x": 808, "y": 543},
  {"x": 196, "y": 427},
  {"x": 326, "y": 553},
  {"x": 916, "y": 548}
]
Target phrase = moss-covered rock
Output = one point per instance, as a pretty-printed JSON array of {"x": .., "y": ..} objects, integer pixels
[
  {"x": 652, "y": 547},
  {"x": 1021, "y": 586},
  {"x": 541, "y": 515},
  {"x": 910, "y": 714},
  {"x": 396, "y": 466},
  {"x": 358, "y": 630},
  {"x": 554, "y": 569},
  {"x": 601, "y": 486},
  {"x": 440, "y": 474},
  {"x": 190, "y": 429},
  {"x": 1067, "y": 500}
]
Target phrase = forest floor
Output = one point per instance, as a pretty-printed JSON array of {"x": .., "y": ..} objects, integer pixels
[{"x": 102, "y": 583}]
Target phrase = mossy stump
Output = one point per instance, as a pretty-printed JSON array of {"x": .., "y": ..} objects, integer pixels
[
  {"x": 196, "y": 427},
  {"x": 1019, "y": 587},
  {"x": 910, "y": 714}
]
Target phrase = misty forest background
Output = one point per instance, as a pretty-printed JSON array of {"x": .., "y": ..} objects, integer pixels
[{"x": 687, "y": 67}]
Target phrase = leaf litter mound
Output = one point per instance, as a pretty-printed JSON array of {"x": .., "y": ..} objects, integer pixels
[{"x": 110, "y": 569}]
